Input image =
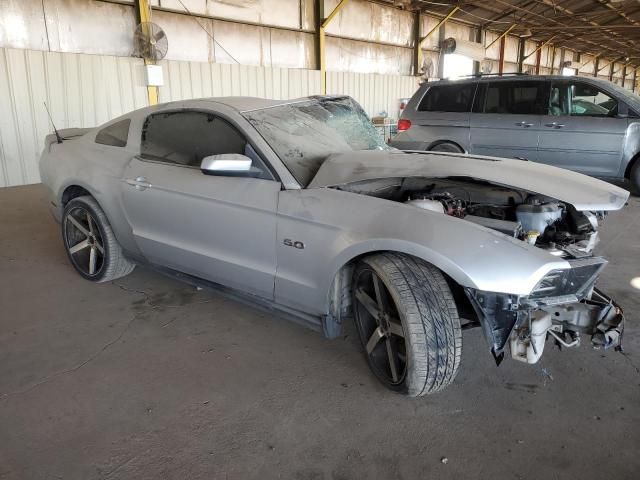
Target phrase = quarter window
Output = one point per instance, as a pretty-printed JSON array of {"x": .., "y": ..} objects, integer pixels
[
  {"x": 448, "y": 98},
  {"x": 115, "y": 135},
  {"x": 523, "y": 98}
]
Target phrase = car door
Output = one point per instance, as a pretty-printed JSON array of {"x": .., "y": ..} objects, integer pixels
[
  {"x": 506, "y": 119},
  {"x": 582, "y": 131},
  {"x": 220, "y": 228}
]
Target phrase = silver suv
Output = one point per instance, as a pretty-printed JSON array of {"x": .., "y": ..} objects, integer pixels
[{"x": 584, "y": 124}]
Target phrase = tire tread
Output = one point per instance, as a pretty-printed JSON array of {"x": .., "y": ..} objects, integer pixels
[{"x": 431, "y": 318}]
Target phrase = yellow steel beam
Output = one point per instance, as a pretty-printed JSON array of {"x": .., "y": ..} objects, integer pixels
[
  {"x": 587, "y": 62},
  {"x": 502, "y": 35},
  {"x": 539, "y": 47},
  {"x": 418, "y": 47},
  {"x": 335, "y": 11},
  {"x": 321, "y": 43},
  {"x": 144, "y": 13},
  {"x": 438, "y": 25}
]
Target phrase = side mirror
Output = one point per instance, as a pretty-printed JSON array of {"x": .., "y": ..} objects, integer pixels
[{"x": 228, "y": 164}]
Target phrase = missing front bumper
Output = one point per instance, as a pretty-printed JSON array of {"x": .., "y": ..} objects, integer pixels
[{"x": 526, "y": 323}]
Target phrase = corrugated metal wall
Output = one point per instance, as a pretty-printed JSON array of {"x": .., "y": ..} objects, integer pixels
[
  {"x": 87, "y": 90},
  {"x": 376, "y": 93},
  {"x": 184, "y": 80},
  {"x": 81, "y": 91}
]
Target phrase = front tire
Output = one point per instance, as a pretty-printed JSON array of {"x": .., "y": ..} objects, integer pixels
[
  {"x": 90, "y": 243},
  {"x": 634, "y": 176},
  {"x": 408, "y": 323}
]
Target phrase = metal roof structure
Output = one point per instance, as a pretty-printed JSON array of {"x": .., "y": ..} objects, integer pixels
[{"x": 608, "y": 28}]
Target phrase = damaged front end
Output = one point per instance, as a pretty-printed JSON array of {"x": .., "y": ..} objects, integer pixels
[{"x": 564, "y": 305}]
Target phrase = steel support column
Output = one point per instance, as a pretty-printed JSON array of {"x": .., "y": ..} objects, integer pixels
[
  {"x": 611, "y": 71},
  {"x": 501, "y": 58},
  {"x": 417, "y": 49},
  {"x": 501, "y": 37},
  {"x": 521, "y": 57},
  {"x": 321, "y": 43},
  {"x": 143, "y": 13},
  {"x": 478, "y": 38},
  {"x": 440, "y": 37}
]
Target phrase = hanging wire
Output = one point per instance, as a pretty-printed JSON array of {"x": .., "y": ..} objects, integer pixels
[
  {"x": 207, "y": 32},
  {"x": 488, "y": 20}
]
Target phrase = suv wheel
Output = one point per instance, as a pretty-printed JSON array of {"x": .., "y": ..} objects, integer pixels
[
  {"x": 407, "y": 322},
  {"x": 446, "y": 147},
  {"x": 90, "y": 243}
]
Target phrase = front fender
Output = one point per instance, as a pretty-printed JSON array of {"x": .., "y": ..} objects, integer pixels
[
  {"x": 631, "y": 148},
  {"x": 336, "y": 227}
]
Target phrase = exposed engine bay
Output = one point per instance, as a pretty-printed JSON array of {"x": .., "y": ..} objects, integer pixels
[
  {"x": 565, "y": 303},
  {"x": 538, "y": 220}
]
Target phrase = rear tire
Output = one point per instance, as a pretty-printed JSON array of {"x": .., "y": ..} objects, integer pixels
[
  {"x": 90, "y": 243},
  {"x": 414, "y": 346},
  {"x": 446, "y": 147}
]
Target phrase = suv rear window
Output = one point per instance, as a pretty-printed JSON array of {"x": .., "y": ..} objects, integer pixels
[{"x": 448, "y": 98}]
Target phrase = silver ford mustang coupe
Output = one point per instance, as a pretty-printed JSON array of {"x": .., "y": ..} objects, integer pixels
[{"x": 300, "y": 207}]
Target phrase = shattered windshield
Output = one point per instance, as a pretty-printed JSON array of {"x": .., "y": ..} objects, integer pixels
[{"x": 304, "y": 134}]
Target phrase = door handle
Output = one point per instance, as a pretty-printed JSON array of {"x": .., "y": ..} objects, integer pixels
[
  {"x": 140, "y": 183},
  {"x": 524, "y": 124},
  {"x": 554, "y": 125}
]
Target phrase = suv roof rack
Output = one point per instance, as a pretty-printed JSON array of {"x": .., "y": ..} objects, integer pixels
[{"x": 480, "y": 75}]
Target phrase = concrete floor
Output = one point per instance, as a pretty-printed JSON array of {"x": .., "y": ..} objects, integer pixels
[{"x": 147, "y": 378}]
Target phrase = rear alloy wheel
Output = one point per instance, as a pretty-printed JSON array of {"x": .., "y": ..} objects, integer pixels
[
  {"x": 84, "y": 242},
  {"x": 407, "y": 322},
  {"x": 90, "y": 243}
]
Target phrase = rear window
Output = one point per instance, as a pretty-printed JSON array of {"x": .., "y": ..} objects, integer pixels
[
  {"x": 524, "y": 98},
  {"x": 448, "y": 98},
  {"x": 114, "y": 135}
]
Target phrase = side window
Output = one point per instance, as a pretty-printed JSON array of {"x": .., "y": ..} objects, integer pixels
[
  {"x": 586, "y": 100},
  {"x": 448, "y": 98},
  {"x": 186, "y": 137},
  {"x": 523, "y": 98},
  {"x": 115, "y": 135},
  {"x": 559, "y": 99}
]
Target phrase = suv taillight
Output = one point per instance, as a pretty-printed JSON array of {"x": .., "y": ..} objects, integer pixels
[{"x": 404, "y": 125}]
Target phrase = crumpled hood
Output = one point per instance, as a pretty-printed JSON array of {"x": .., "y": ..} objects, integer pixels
[{"x": 583, "y": 192}]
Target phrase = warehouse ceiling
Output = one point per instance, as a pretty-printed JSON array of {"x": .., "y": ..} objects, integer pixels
[{"x": 599, "y": 27}]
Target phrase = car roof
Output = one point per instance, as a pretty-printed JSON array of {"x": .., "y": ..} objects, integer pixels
[
  {"x": 247, "y": 104},
  {"x": 517, "y": 77}
]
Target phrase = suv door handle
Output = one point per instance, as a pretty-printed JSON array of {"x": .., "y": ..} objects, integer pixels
[
  {"x": 140, "y": 183},
  {"x": 524, "y": 124},
  {"x": 554, "y": 125}
]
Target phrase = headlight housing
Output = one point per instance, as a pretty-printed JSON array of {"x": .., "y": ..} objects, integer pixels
[{"x": 576, "y": 280}]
